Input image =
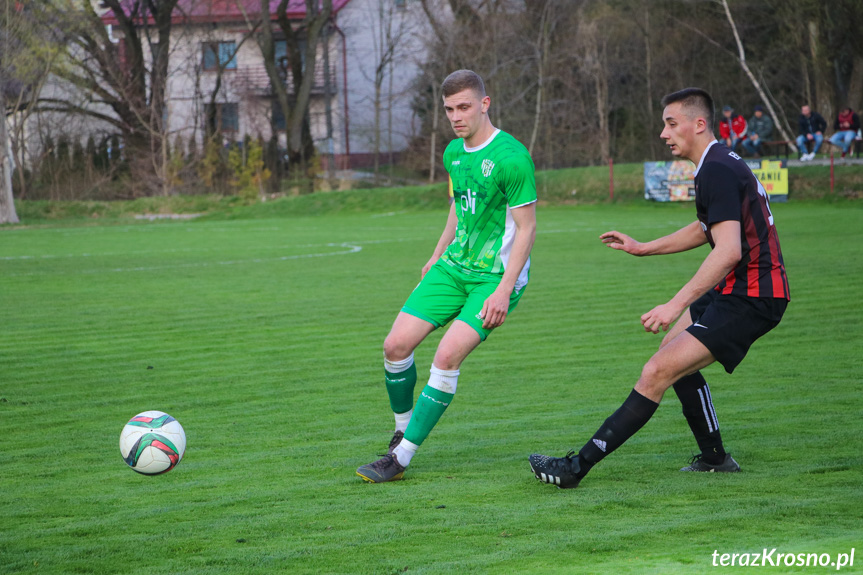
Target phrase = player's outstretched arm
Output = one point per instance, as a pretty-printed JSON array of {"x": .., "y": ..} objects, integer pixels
[
  {"x": 725, "y": 254},
  {"x": 684, "y": 239},
  {"x": 446, "y": 239},
  {"x": 620, "y": 241},
  {"x": 496, "y": 306}
]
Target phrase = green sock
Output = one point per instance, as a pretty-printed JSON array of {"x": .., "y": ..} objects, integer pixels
[
  {"x": 400, "y": 387},
  {"x": 430, "y": 406}
]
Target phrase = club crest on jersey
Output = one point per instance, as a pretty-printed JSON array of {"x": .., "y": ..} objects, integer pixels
[{"x": 487, "y": 167}]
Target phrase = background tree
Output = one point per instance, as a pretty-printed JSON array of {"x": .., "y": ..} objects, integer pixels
[
  {"x": 584, "y": 83},
  {"x": 8, "y": 214},
  {"x": 293, "y": 84},
  {"x": 115, "y": 82},
  {"x": 28, "y": 48},
  {"x": 578, "y": 81},
  {"x": 389, "y": 28}
]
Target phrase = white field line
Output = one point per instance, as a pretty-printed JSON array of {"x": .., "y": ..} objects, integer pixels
[
  {"x": 142, "y": 228},
  {"x": 265, "y": 247},
  {"x": 151, "y": 252},
  {"x": 351, "y": 247}
]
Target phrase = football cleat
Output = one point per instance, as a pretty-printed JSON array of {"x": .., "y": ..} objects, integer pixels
[
  {"x": 394, "y": 442},
  {"x": 387, "y": 468},
  {"x": 560, "y": 471},
  {"x": 697, "y": 463}
]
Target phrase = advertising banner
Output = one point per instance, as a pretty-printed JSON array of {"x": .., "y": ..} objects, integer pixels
[
  {"x": 669, "y": 181},
  {"x": 773, "y": 175},
  {"x": 675, "y": 181}
]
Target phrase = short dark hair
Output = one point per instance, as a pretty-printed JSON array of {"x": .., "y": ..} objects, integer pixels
[
  {"x": 461, "y": 80},
  {"x": 693, "y": 100}
]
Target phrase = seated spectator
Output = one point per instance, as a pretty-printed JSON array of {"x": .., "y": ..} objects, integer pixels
[
  {"x": 811, "y": 128},
  {"x": 846, "y": 125},
  {"x": 732, "y": 127},
  {"x": 759, "y": 129}
]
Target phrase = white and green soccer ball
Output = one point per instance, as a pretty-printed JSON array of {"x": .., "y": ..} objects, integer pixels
[{"x": 152, "y": 442}]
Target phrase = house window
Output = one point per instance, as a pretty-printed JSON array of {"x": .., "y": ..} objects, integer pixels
[
  {"x": 222, "y": 118},
  {"x": 281, "y": 49},
  {"x": 400, "y": 3},
  {"x": 278, "y": 117},
  {"x": 220, "y": 55}
]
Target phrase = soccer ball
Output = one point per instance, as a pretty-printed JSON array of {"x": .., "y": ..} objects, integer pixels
[{"x": 152, "y": 442}]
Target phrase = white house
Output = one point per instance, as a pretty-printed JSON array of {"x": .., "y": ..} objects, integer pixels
[{"x": 374, "y": 48}]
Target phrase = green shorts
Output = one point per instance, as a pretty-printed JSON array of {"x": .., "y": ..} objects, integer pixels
[{"x": 446, "y": 293}]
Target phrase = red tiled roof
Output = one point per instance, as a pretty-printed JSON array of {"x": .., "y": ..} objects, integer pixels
[{"x": 207, "y": 11}]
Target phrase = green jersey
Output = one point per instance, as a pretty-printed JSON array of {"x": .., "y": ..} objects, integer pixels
[{"x": 488, "y": 182}]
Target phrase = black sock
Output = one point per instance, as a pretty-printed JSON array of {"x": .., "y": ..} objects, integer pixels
[
  {"x": 694, "y": 395},
  {"x": 620, "y": 426}
]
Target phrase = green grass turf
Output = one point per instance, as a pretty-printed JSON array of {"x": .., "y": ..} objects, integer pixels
[{"x": 264, "y": 338}]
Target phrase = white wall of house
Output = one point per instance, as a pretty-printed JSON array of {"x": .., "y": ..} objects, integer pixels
[
  {"x": 364, "y": 24},
  {"x": 191, "y": 87},
  {"x": 356, "y": 49},
  {"x": 31, "y": 133}
]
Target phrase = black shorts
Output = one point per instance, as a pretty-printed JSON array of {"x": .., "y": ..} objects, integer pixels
[{"x": 728, "y": 324}]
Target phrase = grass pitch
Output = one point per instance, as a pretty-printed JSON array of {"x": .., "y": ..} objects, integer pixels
[{"x": 263, "y": 338}]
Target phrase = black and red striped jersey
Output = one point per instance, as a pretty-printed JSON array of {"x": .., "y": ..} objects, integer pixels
[{"x": 726, "y": 189}]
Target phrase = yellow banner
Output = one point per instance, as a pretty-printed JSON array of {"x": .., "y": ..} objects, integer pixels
[{"x": 772, "y": 174}]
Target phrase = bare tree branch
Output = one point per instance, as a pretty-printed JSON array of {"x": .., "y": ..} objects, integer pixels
[{"x": 742, "y": 59}]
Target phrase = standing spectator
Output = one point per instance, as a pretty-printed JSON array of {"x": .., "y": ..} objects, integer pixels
[
  {"x": 811, "y": 129},
  {"x": 732, "y": 128},
  {"x": 760, "y": 128},
  {"x": 846, "y": 125}
]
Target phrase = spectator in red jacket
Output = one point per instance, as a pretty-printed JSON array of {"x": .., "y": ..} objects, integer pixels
[
  {"x": 847, "y": 125},
  {"x": 732, "y": 127}
]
